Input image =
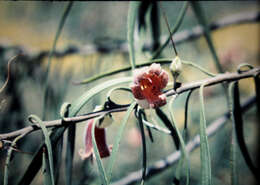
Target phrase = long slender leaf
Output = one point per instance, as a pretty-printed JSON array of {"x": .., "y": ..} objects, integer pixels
[
  {"x": 81, "y": 101},
  {"x": 101, "y": 169},
  {"x": 204, "y": 145},
  {"x": 46, "y": 168},
  {"x": 117, "y": 141},
  {"x": 36, "y": 119},
  {"x": 257, "y": 90},
  {"x": 233, "y": 150},
  {"x": 57, "y": 35},
  {"x": 168, "y": 124},
  {"x": 132, "y": 13},
  {"x": 202, "y": 20},
  {"x": 185, "y": 156},
  {"x": 156, "y": 127},
  {"x": 127, "y": 68},
  {"x": 147, "y": 127},
  {"x": 70, "y": 153},
  {"x": 140, "y": 121},
  {"x": 237, "y": 112}
]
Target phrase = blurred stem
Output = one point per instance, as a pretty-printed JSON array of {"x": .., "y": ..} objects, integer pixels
[
  {"x": 61, "y": 25},
  {"x": 175, "y": 28}
]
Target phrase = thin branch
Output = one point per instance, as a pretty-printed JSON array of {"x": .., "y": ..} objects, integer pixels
[
  {"x": 163, "y": 164},
  {"x": 186, "y": 87},
  {"x": 122, "y": 46}
]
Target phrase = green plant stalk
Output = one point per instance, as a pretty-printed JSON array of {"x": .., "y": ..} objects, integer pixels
[
  {"x": 233, "y": 150},
  {"x": 117, "y": 141},
  {"x": 61, "y": 25},
  {"x": 132, "y": 13},
  {"x": 185, "y": 156},
  {"x": 175, "y": 28},
  {"x": 204, "y": 145},
  {"x": 160, "y": 61}
]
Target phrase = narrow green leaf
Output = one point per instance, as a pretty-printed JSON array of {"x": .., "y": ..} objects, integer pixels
[
  {"x": 204, "y": 145},
  {"x": 168, "y": 124},
  {"x": 202, "y": 20},
  {"x": 8, "y": 158},
  {"x": 233, "y": 150},
  {"x": 132, "y": 13},
  {"x": 36, "y": 119},
  {"x": 156, "y": 127},
  {"x": 101, "y": 169},
  {"x": 70, "y": 153},
  {"x": 237, "y": 113},
  {"x": 185, "y": 156},
  {"x": 45, "y": 168},
  {"x": 57, "y": 157},
  {"x": 140, "y": 121},
  {"x": 82, "y": 100},
  {"x": 185, "y": 129},
  {"x": 117, "y": 141},
  {"x": 60, "y": 27},
  {"x": 147, "y": 127},
  {"x": 257, "y": 90},
  {"x": 155, "y": 26}
]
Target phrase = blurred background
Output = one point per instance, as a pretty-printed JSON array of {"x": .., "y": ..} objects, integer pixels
[{"x": 88, "y": 46}]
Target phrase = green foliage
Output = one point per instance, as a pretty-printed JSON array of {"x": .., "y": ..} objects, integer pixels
[{"x": 204, "y": 144}]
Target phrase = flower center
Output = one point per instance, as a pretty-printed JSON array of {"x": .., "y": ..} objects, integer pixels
[{"x": 150, "y": 86}]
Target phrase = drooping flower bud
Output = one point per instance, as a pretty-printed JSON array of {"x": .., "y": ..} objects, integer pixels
[
  {"x": 100, "y": 137},
  {"x": 176, "y": 67}
]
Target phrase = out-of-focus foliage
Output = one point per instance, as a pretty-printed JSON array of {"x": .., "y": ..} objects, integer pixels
[{"x": 32, "y": 26}]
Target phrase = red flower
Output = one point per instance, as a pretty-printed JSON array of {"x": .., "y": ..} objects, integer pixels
[
  {"x": 148, "y": 84},
  {"x": 100, "y": 137}
]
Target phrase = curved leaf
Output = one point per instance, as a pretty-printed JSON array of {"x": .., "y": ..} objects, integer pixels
[
  {"x": 101, "y": 169},
  {"x": 238, "y": 120},
  {"x": 185, "y": 156},
  {"x": 47, "y": 141},
  {"x": 117, "y": 141},
  {"x": 168, "y": 124},
  {"x": 82, "y": 100}
]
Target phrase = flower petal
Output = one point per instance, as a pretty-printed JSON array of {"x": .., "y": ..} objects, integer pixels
[{"x": 137, "y": 92}]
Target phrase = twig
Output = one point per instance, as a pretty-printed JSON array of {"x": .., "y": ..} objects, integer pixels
[
  {"x": 161, "y": 165},
  {"x": 186, "y": 87},
  {"x": 121, "y": 45}
]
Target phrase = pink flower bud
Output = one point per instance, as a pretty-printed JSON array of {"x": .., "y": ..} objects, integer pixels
[{"x": 147, "y": 86}]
